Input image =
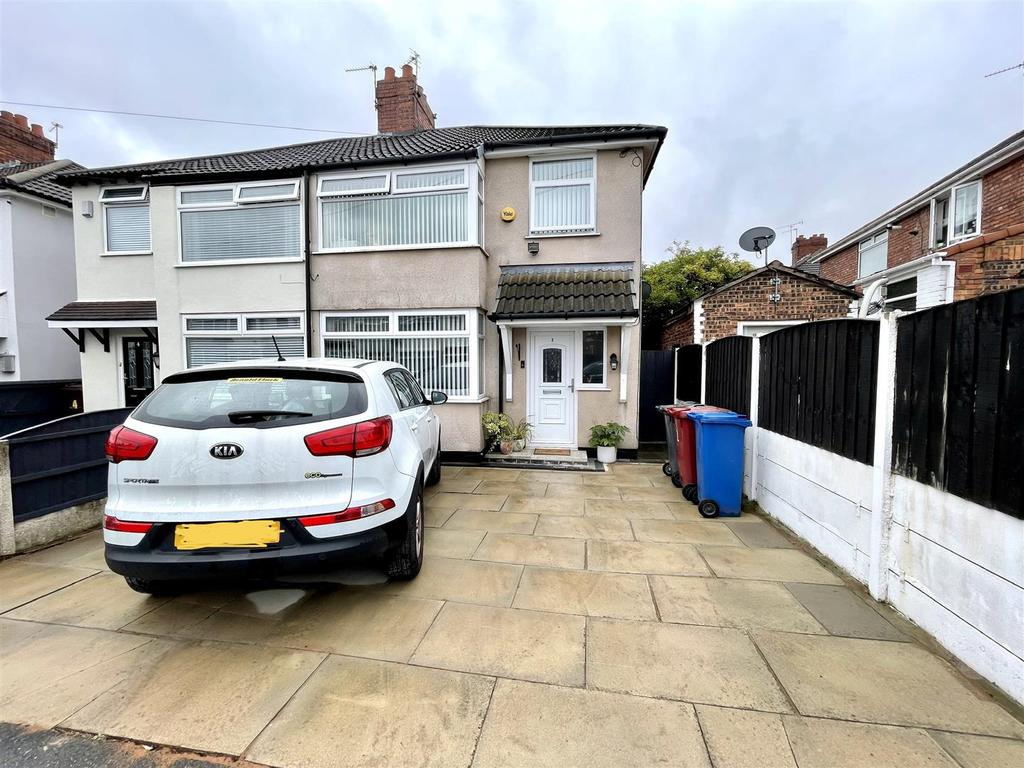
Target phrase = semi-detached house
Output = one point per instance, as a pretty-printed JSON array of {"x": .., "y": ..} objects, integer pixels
[{"x": 500, "y": 264}]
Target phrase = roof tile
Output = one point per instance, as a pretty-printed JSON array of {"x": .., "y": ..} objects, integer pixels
[{"x": 566, "y": 291}]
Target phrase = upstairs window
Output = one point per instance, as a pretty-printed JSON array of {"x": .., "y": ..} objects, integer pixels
[
  {"x": 251, "y": 221},
  {"x": 125, "y": 219},
  {"x": 966, "y": 210},
  {"x": 874, "y": 254},
  {"x": 562, "y": 196},
  {"x": 399, "y": 208}
]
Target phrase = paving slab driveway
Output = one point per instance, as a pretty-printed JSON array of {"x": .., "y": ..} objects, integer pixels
[{"x": 561, "y": 619}]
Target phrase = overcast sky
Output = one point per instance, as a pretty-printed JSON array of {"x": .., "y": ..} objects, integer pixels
[{"x": 823, "y": 112}]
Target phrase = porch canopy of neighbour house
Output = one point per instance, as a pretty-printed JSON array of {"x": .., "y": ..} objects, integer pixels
[
  {"x": 98, "y": 317},
  {"x": 581, "y": 295}
]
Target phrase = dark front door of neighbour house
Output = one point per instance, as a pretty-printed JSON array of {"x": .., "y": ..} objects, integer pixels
[
  {"x": 138, "y": 370},
  {"x": 656, "y": 388}
]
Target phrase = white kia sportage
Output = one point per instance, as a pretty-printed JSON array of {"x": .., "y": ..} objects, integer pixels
[{"x": 261, "y": 469}]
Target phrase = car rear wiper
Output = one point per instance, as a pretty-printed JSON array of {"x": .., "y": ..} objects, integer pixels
[{"x": 239, "y": 417}]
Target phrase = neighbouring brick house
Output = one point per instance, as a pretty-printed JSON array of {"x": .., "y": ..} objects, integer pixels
[
  {"x": 960, "y": 237},
  {"x": 762, "y": 301}
]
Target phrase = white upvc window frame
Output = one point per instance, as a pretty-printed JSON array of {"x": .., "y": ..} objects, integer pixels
[
  {"x": 563, "y": 231},
  {"x": 473, "y": 184},
  {"x": 140, "y": 200},
  {"x": 240, "y": 187},
  {"x": 933, "y": 209},
  {"x": 240, "y": 330},
  {"x": 233, "y": 205},
  {"x": 915, "y": 276},
  {"x": 873, "y": 242},
  {"x": 605, "y": 386},
  {"x": 474, "y": 332},
  {"x": 951, "y": 236}
]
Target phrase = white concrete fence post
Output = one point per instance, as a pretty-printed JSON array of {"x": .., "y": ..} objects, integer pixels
[
  {"x": 6, "y": 502},
  {"x": 703, "y": 373},
  {"x": 881, "y": 486},
  {"x": 755, "y": 388}
]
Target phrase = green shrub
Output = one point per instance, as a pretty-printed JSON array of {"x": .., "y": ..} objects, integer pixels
[
  {"x": 608, "y": 435},
  {"x": 497, "y": 427}
]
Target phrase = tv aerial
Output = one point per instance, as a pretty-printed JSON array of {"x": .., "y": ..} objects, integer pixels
[{"x": 757, "y": 239}]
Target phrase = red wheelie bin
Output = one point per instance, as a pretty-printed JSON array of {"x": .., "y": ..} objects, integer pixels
[{"x": 686, "y": 445}]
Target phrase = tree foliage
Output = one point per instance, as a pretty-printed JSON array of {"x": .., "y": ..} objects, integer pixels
[{"x": 681, "y": 278}]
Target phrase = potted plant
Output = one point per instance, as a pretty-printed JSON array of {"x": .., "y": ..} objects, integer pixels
[
  {"x": 520, "y": 434},
  {"x": 497, "y": 427},
  {"x": 607, "y": 438}
]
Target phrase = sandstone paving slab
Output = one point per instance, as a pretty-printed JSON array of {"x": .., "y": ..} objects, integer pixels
[
  {"x": 630, "y": 510},
  {"x": 171, "y": 618},
  {"x": 759, "y": 534},
  {"x": 588, "y": 593},
  {"x": 584, "y": 528},
  {"x": 487, "y": 520},
  {"x": 661, "y": 492},
  {"x": 102, "y": 601},
  {"x": 645, "y": 557},
  {"x": 444, "y": 500},
  {"x": 506, "y": 642},
  {"x": 844, "y": 613},
  {"x": 981, "y": 751},
  {"x": 544, "y": 505},
  {"x": 435, "y": 517},
  {"x": 463, "y": 581},
  {"x": 21, "y": 582},
  {"x": 703, "y": 665},
  {"x": 740, "y": 738},
  {"x": 448, "y": 471},
  {"x": 543, "y": 476},
  {"x": 214, "y": 697},
  {"x": 505, "y": 488},
  {"x": 731, "y": 603},
  {"x": 548, "y": 551},
  {"x": 85, "y": 551},
  {"x": 837, "y": 744},
  {"x": 880, "y": 682},
  {"x": 685, "y": 512},
  {"x": 452, "y": 543},
  {"x": 617, "y": 480},
  {"x": 704, "y": 532},
  {"x": 531, "y": 725},
  {"x": 497, "y": 474},
  {"x": 456, "y": 485},
  {"x": 352, "y": 712},
  {"x": 567, "y": 491},
  {"x": 767, "y": 565},
  {"x": 50, "y": 671}
]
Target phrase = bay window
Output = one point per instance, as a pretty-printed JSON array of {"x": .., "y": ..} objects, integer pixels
[
  {"x": 407, "y": 208},
  {"x": 562, "y": 196},
  {"x": 874, "y": 254},
  {"x": 249, "y": 221},
  {"x": 125, "y": 219},
  {"x": 228, "y": 338},
  {"x": 443, "y": 348}
]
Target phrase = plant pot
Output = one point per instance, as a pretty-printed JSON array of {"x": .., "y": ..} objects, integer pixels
[
  {"x": 505, "y": 447},
  {"x": 607, "y": 454},
  {"x": 519, "y": 445}
]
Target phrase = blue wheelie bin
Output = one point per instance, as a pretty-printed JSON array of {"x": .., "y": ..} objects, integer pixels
[{"x": 719, "y": 439}]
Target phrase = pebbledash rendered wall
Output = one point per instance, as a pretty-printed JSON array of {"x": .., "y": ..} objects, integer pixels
[{"x": 953, "y": 567}]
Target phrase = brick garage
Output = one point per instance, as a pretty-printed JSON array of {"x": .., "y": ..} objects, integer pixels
[{"x": 678, "y": 330}]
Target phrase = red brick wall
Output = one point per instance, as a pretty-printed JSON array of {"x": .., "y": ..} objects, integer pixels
[
  {"x": 989, "y": 268},
  {"x": 678, "y": 333},
  {"x": 842, "y": 266},
  {"x": 19, "y": 141},
  {"x": 905, "y": 246},
  {"x": 1002, "y": 197},
  {"x": 801, "y": 300},
  {"x": 401, "y": 104}
]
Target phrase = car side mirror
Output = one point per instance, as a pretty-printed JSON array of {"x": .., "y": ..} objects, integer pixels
[{"x": 438, "y": 398}]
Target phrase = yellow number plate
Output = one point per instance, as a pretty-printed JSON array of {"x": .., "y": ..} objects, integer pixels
[{"x": 248, "y": 533}]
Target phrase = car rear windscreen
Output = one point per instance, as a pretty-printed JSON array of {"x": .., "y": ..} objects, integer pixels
[{"x": 253, "y": 398}]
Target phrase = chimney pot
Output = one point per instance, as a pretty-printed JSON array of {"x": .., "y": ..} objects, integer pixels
[
  {"x": 8, "y": 116},
  {"x": 22, "y": 142},
  {"x": 389, "y": 73},
  {"x": 21, "y": 121},
  {"x": 401, "y": 104},
  {"x": 37, "y": 130},
  {"x": 407, "y": 70}
]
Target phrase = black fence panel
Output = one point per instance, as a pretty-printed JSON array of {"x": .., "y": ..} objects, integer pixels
[
  {"x": 61, "y": 463},
  {"x": 688, "y": 371},
  {"x": 655, "y": 389},
  {"x": 817, "y": 385},
  {"x": 728, "y": 375},
  {"x": 958, "y": 420},
  {"x": 27, "y": 403}
]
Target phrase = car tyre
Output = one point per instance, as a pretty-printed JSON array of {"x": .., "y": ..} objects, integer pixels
[
  {"x": 150, "y": 587},
  {"x": 406, "y": 559},
  {"x": 435, "y": 471}
]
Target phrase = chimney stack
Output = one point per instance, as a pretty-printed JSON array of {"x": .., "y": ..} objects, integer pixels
[
  {"x": 805, "y": 247},
  {"x": 401, "y": 104},
  {"x": 21, "y": 142}
]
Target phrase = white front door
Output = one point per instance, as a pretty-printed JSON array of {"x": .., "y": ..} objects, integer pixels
[{"x": 553, "y": 388}]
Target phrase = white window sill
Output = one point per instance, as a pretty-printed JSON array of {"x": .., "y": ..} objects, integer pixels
[
  {"x": 234, "y": 262},
  {"x": 466, "y": 400},
  {"x": 581, "y": 388},
  {"x": 126, "y": 253},
  {"x": 546, "y": 235},
  {"x": 377, "y": 248}
]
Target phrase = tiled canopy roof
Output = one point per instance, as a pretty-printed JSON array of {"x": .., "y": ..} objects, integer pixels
[
  {"x": 565, "y": 291},
  {"x": 38, "y": 179},
  {"x": 105, "y": 311},
  {"x": 368, "y": 150}
]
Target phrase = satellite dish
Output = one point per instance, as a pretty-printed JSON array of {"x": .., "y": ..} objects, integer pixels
[{"x": 757, "y": 239}]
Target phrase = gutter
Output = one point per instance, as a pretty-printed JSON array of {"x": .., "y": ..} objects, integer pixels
[
  {"x": 559, "y": 316},
  {"x": 307, "y": 266}
]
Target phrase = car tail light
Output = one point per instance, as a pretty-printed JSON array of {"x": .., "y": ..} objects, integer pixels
[
  {"x": 125, "y": 444},
  {"x": 125, "y": 526},
  {"x": 363, "y": 439},
  {"x": 352, "y": 513}
]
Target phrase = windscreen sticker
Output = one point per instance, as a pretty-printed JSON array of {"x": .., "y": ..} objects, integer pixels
[{"x": 255, "y": 380}]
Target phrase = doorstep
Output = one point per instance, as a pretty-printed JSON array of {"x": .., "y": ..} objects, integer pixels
[{"x": 573, "y": 459}]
